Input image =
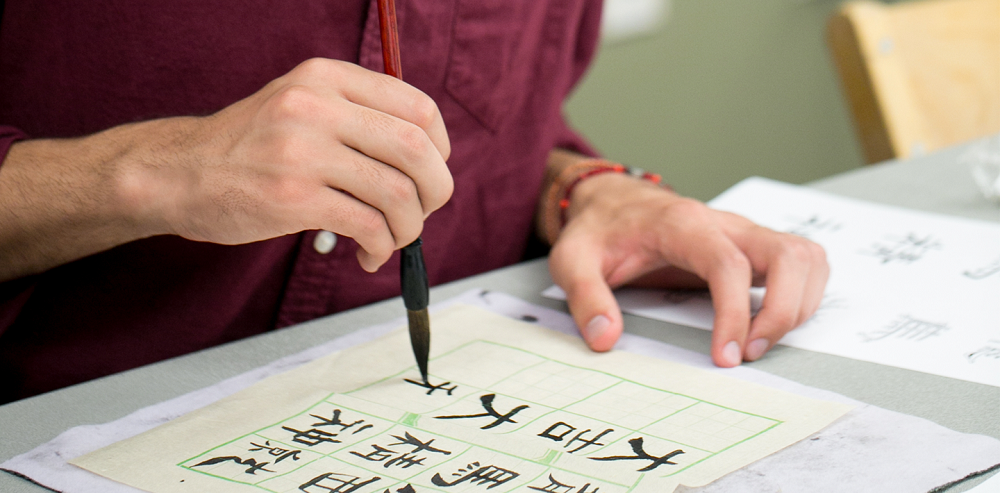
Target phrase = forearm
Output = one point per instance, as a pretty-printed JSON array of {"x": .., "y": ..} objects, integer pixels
[{"x": 64, "y": 199}]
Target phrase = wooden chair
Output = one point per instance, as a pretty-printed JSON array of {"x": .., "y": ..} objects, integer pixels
[{"x": 919, "y": 75}]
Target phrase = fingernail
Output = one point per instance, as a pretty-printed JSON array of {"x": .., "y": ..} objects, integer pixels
[
  {"x": 757, "y": 348},
  {"x": 596, "y": 328},
  {"x": 731, "y": 353}
]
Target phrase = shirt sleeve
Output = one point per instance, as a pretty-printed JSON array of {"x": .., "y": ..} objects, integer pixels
[
  {"x": 588, "y": 35},
  {"x": 13, "y": 294}
]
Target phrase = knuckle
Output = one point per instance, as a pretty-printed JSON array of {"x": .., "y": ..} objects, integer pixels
[
  {"x": 797, "y": 250},
  {"x": 400, "y": 189},
  {"x": 292, "y": 103},
  {"x": 816, "y": 251},
  {"x": 371, "y": 223},
  {"x": 687, "y": 206},
  {"x": 413, "y": 141},
  {"x": 425, "y": 110},
  {"x": 688, "y": 211}
]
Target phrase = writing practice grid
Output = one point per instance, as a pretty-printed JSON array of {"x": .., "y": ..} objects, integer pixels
[
  {"x": 908, "y": 289},
  {"x": 509, "y": 407}
]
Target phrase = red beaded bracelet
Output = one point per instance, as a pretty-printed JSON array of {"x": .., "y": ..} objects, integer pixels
[
  {"x": 614, "y": 168},
  {"x": 558, "y": 195}
]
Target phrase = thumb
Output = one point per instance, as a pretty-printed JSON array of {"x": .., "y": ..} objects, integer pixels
[{"x": 577, "y": 270}]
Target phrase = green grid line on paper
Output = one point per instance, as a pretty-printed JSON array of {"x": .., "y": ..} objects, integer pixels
[{"x": 605, "y": 397}]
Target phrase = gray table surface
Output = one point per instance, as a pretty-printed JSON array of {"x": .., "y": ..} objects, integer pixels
[{"x": 932, "y": 183}]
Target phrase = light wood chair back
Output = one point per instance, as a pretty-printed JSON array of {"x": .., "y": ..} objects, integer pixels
[{"x": 918, "y": 75}]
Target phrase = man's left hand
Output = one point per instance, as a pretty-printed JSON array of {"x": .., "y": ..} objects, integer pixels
[{"x": 621, "y": 230}]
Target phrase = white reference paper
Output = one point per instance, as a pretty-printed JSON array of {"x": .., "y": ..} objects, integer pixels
[{"x": 908, "y": 289}]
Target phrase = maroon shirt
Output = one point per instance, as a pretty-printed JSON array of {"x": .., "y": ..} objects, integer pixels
[{"x": 498, "y": 69}]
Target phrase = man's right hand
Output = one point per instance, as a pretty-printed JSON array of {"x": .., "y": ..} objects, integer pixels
[{"x": 330, "y": 145}]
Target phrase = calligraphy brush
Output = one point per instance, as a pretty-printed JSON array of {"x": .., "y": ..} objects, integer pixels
[{"x": 412, "y": 272}]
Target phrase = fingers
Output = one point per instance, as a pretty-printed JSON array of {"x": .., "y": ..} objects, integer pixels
[
  {"x": 383, "y": 187},
  {"x": 700, "y": 246},
  {"x": 379, "y": 92},
  {"x": 403, "y": 146},
  {"x": 377, "y": 115},
  {"x": 796, "y": 274},
  {"x": 782, "y": 307},
  {"x": 345, "y": 215},
  {"x": 394, "y": 97},
  {"x": 576, "y": 267},
  {"x": 729, "y": 276}
]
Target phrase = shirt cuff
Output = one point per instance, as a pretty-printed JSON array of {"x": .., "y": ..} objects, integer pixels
[{"x": 9, "y": 135}]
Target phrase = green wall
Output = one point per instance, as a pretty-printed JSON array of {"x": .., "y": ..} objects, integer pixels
[{"x": 724, "y": 90}]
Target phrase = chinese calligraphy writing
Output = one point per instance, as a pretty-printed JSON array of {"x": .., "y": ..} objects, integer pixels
[
  {"x": 405, "y": 459},
  {"x": 280, "y": 453},
  {"x": 315, "y": 436},
  {"x": 907, "y": 327},
  {"x": 487, "y": 401},
  {"x": 335, "y": 483},
  {"x": 640, "y": 454},
  {"x": 431, "y": 388},
  {"x": 908, "y": 249},
  {"x": 984, "y": 271},
  {"x": 254, "y": 466},
  {"x": 808, "y": 227},
  {"x": 556, "y": 433},
  {"x": 989, "y": 351},
  {"x": 555, "y": 486},
  {"x": 478, "y": 475}
]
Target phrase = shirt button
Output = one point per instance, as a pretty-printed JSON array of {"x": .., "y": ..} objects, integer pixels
[{"x": 324, "y": 242}]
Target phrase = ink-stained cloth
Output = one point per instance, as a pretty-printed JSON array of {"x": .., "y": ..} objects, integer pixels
[{"x": 498, "y": 69}]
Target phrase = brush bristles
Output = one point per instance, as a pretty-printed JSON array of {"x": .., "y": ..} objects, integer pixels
[{"x": 420, "y": 338}]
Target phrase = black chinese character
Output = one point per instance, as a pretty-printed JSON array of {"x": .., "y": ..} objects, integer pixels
[
  {"x": 555, "y": 433},
  {"x": 641, "y": 454},
  {"x": 315, "y": 436},
  {"x": 280, "y": 453},
  {"x": 557, "y": 487},
  {"x": 380, "y": 454},
  {"x": 311, "y": 436},
  {"x": 431, "y": 388},
  {"x": 404, "y": 459},
  {"x": 254, "y": 466},
  {"x": 908, "y": 328},
  {"x": 908, "y": 249},
  {"x": 584, "y": 443},
  {"x": 418, "y": 446},
  {"x": 335, "y": 483},
  {"x": 487, "y": 401},
  {"x": 492, "y": 475},
  {"x": 558, "y": 437}
]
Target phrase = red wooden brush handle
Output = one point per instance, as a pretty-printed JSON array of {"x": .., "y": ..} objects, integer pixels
[{"x": 390, "y": 38}]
